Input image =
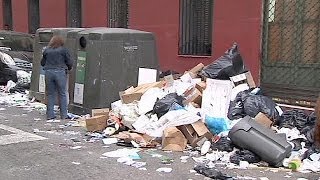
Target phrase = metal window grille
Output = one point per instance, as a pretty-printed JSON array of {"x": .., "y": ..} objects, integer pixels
[
  {"x": 7, "y": 13},
  {"x": 118, "y": 14},
  {"x": 34, "y": 16},
  {"x": 195, "y": 36},
  {"x": 290, "y": 65},
  {"x": 74, "y": 13}
]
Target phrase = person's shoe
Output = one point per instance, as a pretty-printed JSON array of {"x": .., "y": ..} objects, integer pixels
[{"x": 51, "y": 118}]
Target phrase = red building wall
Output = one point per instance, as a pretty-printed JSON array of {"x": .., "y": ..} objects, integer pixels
[
  {"x": 1, "y": 14},
  {"x": 233, "y": 21},
  {"x": 53, "y": 13},
  {"x": 20, "y": 15},
  {"x": 94, "y": 13}
]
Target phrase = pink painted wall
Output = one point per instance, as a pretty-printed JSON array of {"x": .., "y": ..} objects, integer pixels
[
  {"x": 94, "y": 13},
  {"x": 53, "y": 13}
]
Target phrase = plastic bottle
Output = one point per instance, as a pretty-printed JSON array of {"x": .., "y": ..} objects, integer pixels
[
  {"x": 295, "y": 164},
  {"x": 205, "y": 147}
]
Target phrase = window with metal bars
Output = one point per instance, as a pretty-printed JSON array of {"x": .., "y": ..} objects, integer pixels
[
  {"x": 195, "y": 36},
  {"x": 34, "y": 16},
  {"x": 74, "y": 13},
  {"x": 7, "y": 14},
  {"x": 118, "y": 13}
]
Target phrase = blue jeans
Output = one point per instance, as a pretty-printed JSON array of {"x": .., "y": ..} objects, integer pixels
[{"x": 56, "y": 82}]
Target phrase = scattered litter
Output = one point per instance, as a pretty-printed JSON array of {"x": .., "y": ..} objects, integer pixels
[
  {"x": 246, "y": 178},
  {"x": 36, "y": 130},
  {"x": 37, "y": 119},
  {"x": 243, "y": 164},
  {"x": 76, "y": 163},
  {"x": 192, "y": 171},
  {"x": 244, "y": 155},
  {"x": 205, "y": 147},
  {"x": 109, "y": 141},
  {"x": 132, "y": 153},
  {"x": 164, "y": 169},
  {"x": 184, "y": 159},
  {"x": 211, "y": 173},
  {"x": 129, "y": 161},
  {"x": 76, "y": 147},
  {"x": 264, "y": 178},
  {"x": 2, "y": 109},
  {"x": 53, "y": 121}
]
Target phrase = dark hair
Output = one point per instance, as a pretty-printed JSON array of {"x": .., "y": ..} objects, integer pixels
[{"x": 56, "y": 41}]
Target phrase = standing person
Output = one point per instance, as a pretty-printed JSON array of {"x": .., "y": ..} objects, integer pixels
[
  {"x": 56, "y": 62},
  {"x": 317, "y": 127}
]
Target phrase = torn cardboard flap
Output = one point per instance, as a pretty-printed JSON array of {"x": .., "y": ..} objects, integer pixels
[
  {"x": 173, "y": 140},
  {"x": 96, "y": 123},
  {"x": 263, "y": 120}
]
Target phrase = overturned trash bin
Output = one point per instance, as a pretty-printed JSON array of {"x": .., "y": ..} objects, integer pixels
[
  {"x": 42, "y": 39},
  {"x": 108, "y": 62},
  {"x": 271, "y": 147}
]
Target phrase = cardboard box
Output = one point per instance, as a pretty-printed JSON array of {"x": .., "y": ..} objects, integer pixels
[
  {"x": 134, "y": 94},
  {"x": 194, "y": 95},
  {"x": 173, "y": 140},
  {"x": 96, "y": 123},
  {"x": 201, "y": 86},
  {"x": 195, "y": 70},
  {"x": 243, "y": 78},
  {"x": 263, "y": 119},
  {"x": 98, "y": 112},
  {"x": 196, "y": 133}
]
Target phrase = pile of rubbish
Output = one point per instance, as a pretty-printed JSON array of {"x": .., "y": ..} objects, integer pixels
[
  {"x": 216, "y": 113},
  {"x": 215, "y": 110},
  {"x": 22, "y": 84}
]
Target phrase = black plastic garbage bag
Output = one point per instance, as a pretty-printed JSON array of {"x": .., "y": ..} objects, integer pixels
[
  {"x": 310, "y": 151},
  {"x": 166, "y": 73},
  {"x": 18, "y": 88},
  {"x": 252, "y": 105},
  {"x": 224, "y": 144},
  {"x": 228, "y": 65},
  {"x": 297, "y": 118},
  {"x": 244, "y": 155},
  {"x": 235, "y": 110},
  {"x": 162, "y": 106},
  {"x": 211, "y": 173}
]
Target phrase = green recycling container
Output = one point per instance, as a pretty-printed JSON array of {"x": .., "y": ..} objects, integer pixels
[{"x": 108, "y": 61}]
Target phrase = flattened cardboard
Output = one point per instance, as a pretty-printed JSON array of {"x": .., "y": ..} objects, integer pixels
[
  {"x": 96, "y": 123},
  {"x": 263, "y": 120},
  {"x": 216, "y": 98},
  {"x": 134, "y": 94},
  {"x": 147, "y": 75},
  {"x": 173, "y": 140},
  {"x": 98, "y": 112}
]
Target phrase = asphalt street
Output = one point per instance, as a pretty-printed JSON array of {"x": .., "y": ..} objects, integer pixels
[{"x": 32, "y": 149}]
